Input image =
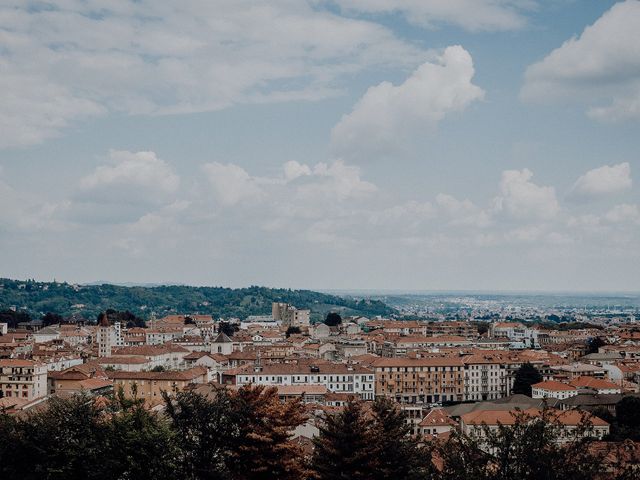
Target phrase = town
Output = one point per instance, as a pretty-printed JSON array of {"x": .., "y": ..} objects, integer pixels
[{"x": 444, "y": 376}]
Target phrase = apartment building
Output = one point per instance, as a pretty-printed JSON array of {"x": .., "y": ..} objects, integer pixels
[
  {"x": 23, "y": 379},
  {"x": 289, "y": 315},
  {"x": 420, "y": 380},
  {"x": 336, "y": 377},
  {"x": 485, "y": 377}
]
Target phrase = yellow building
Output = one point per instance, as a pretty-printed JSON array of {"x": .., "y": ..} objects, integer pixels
[{"x": 23, "y": 379}]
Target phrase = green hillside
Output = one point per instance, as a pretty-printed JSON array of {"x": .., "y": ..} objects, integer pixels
[{"x": 37, "y": 298}]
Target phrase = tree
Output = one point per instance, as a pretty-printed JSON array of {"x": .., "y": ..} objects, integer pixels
[
  {"x": 333, "y": 319},
  {"x": 236, "y": 435},
  {"x": 158, "y": 368},
  {"x": 51, "y": 319},
  {"x": 527, "y": 449},
  {"x": 628, "y": 418},
  {"x": 344, "y": 449},
  {"x": 227, "y": 328},
  {"x": 397, "y": 455},
  {"x": 526, "y": 376},
  {"x": 594, "y": 344},
  {"x": 293, "y": 331}
]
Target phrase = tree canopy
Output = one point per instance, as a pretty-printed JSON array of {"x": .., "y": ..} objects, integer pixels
[
  {"x": 526, "y": 376},
  {"x": 333, "y": 319}
]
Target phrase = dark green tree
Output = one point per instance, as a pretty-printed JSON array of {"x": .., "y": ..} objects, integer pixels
[
  {"x": 51, "y": 319},
  {"x": 293, "y": 331},
  {"x": 397, "y": 454},
  {"x": 526, "y": 376},
  {"x": 594, "y": 344},
  {"x": 344, "y": 449},
  {"x": 333, "y": 319}
]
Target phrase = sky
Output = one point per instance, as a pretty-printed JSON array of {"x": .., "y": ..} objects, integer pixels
[{"x": 338, "y": 144}]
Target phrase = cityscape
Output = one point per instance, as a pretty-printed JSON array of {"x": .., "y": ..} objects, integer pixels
[{"x": 319, "y": 240}]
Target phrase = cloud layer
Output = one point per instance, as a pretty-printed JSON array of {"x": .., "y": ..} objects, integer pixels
[{"x": 73, "y": 59}]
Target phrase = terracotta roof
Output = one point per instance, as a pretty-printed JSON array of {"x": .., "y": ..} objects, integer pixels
[
  {"x": 16, "y": 362},
  {"x": 310, "y": 389},
  {"x": 437, "y": 417},
  {"x": 494, "y": 417},
  {"x": 417, "y": 362},
  {"x": 554, "y": 386},
  {"x": 596, "y": 383},
  {"x": 177, "y": 375}
]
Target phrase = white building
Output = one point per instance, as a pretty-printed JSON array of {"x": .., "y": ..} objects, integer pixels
[
  {"x": 341, "y": 378},
  {"x": 484, "y": 378},
  {"x": 553, "y": 389}
]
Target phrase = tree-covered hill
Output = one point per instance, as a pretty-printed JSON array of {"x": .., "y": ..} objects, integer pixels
[{"x": 38, "y": 298}]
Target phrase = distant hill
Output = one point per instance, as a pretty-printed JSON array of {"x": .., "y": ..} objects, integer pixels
[{"x": 37, "y": 298}]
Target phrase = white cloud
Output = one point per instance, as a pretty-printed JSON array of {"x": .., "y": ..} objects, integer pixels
[
  {"x": 462, "y": 212},
  {"x": 604, "y": 180},
  {"x": 131, "y": 176},
  {"x": 469, "y": 14},
  {"x": 522, "y": 199},
  {"x": 624, "y": 213},
  {"x": 73, "y": 59},
  {"x": 231, "y": 184},
  {"x": 387, "y": 114},
  {"x": 600, "y": 66},
  {"x": 335, "y": 181}
]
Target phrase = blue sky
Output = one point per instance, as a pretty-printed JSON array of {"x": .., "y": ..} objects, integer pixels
[{"x": 409, "y": 144}]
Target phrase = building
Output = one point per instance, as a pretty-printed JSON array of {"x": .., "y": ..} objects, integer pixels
[
  {"x": 23, "y": 379},
  {"x": 109, "y": 336},
  {"x": 420, "y": 380},
  {"x": 485, "y": 377},
  {"x": 571, "y": 422},
  {"x": 597, "y": 385},
  {"x": 436, "y": 422},
  {"x": 553, "y": 389},
  {"x": 289, "y": 315},
  {"x": 150, "y": 385},
  {"x": 336, "y": 377}
]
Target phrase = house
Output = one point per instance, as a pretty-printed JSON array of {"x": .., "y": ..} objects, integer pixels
[
  {"x": 436, "y": 422},
  {"x": 553, "y": 389}
]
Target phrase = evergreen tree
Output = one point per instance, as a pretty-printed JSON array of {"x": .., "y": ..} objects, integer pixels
[
  {"x": 526, "y": 376},
  {"x": 344, "y": 449},
  {"x": 397, "y": 454}
]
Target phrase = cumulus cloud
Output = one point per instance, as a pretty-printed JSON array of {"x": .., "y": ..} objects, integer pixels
[
  {"x": 471, "y": 15},
  {"x": 131, "y": 176},
  {"x": 70, "y": 60},
  {"x": 601, "y": 67},
  {"x": 604, "y": 180},
  {"x": 520, "y": 198},
  {"x": 387, "y": 114},
  {"x": 231, "y": 184}
]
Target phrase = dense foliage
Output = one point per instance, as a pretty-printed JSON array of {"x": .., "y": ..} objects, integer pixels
[
  {"x": 245, "y": 434},
  {"x": 37, "y": 298},
  {"x": 526, "y": 376}
]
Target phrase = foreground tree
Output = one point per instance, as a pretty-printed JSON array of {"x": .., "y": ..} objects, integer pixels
[
  {"x": 236, "y": 435},
  {"x": 531, "y": 448},
  {"x": 344, "y": 450},
  {"x": 396, "y": 453},
  {"x": 526, "y": 376}
]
